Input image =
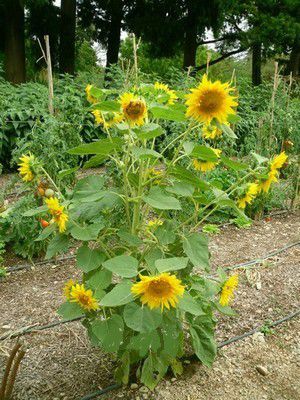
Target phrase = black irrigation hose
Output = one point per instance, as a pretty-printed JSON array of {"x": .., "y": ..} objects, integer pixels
[{"x": 20, "y": 267}]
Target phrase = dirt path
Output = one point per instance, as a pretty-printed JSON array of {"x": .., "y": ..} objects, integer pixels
[{"x": 60, "y": 364}]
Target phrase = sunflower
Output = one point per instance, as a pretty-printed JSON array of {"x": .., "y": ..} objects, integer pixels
[
  {"x": 107, "y": 119},
  {"x": 160, "y": 87},
  {"x": 210, "y": 100},
  {"x": 228, "y": 289},
  {"x": 211, "y": 132},
  {"x": 57, "y": 211},
  {"x": 26, "y": 167},
  {"x": 68, "y": 287},
  {"x": 84, "y": 297},
  {"x": 251, "y": 192},
  {"x": 154, "y": 223},
  {"x": 204, "y": 165},
  {"x": 278, "y": 161},
  {"x": 158, "y": 291},
  {"x": 134, "y": 109},
  {"x": 90, "y": 98}
]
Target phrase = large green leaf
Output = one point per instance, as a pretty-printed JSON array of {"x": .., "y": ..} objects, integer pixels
[
  {"x": 165, "y": 234},
  {"x": 89, "y": 188},
  {"x": 195, "y": 247},
  {"x": 181, "y": 189},
  {"x": 143, "y": 153},
  {"x": 70, "y": 311},
  {"x": 95, "y": 161},
  {"x": 149, "y": 131},
  {"x": 103, "y": 146},
  {"x": 184, "y": 175},
  {"x": 118, "y": 296},
  {"x": 89, "y": 259},
  {"x": 150, "y": 258},
  {"x": 202, "y": 334},
  {"x": 59, "y": 244},
  {"x": 157, "y": 198},
  {"x": 154, "y": 368},
  {"x": 171, "y": 331},
  {"x": 46, "y": 232},
  {"x": 204, "y": 153},
  {"x": 143, "y": 342},
  {"x": 235, "y": 165},
  {"x": 189, "y": 304},
  {"x": 107, "y": 105},
  {"x": 35, "y": 211},
  {"x": 130, "y": 239},
  {"x": 88, "y": 232},
  {"x": 168, "y": 113},
  {"x": 99, "y": 279},
  {"x": 171, "y": 264},
  {"x": 141, "y": 318},
  {"x": 109, "y": 332},
  {"x": 125, "y": 266}
]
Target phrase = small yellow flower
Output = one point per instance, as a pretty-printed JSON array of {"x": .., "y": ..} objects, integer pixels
[
  {"x": 251, "y": 192},
  {"x": 84, "y": 297},
  {"x": 134, "y": 109},
  {"x": 68, "y": 287},
  {"x": 166, "y": 90},
  {"x": 204, "y": 165},
  {"x": 57, "y": 211},
  {"x": 154, "y": 223},
  {"x": 159, "y": 291},
  {"x": 107, "y": 119},
  {"x": 278, "y": 161},
  {"x": 89, "y": 97},
  {"x": 25, "y": 167},
  {"x": 211, "y": 100},
  {"x": 228, "y": 289}
]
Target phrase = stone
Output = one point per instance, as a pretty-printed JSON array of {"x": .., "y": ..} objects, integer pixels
[
  {"x": 144, "y": 389},
  {"x": 258, "y": 337},
  {"x": 262, "y": 370},
  {"x": 134, "y": 386}
]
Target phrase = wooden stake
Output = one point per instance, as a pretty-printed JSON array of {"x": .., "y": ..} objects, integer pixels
[{"x": 49, "y": 74}]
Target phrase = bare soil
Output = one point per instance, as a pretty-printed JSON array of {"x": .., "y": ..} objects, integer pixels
[{"x": 61, "y": 364}]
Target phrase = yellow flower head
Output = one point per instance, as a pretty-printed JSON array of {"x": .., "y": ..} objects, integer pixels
[
  {"x": 154, "y": 223},
  {"x": 158, "y": 291},
  {"x": 210, "y": 100},
  {"x": 265, "y": 184},
  {"x": 211, "y": 132},
  {"x": 84, "y": 297},
  {"x": 204, "y": 165},
  {"x": 57, "y": 211},
  {"x": 228, "y": 289},
  {"x": 166, "y": 90},
  {"x": 134, "y": 109},
  {"x": 68, "y": 287},
  {"x": 107, "y": 119},
  {"x": 278, "y": 161},
  {"x": 26, "y": 167},
  {"x": 89, "y": 97},
  {"x": 251, "y": 192}
]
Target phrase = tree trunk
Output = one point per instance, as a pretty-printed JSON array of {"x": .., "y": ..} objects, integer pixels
[
  {"x": 190, "y": 40},
  {"x": 256, "y": 64},
  {"x": 294, "y": 61},
  {"x": 67, "y": 37},
  {"x": 14, "y": 48},
  {"x": 114, "y": 36}
]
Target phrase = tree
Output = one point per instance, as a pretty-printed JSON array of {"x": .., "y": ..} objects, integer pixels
[
  {"x": 14, "y": 42},
  {"x": 115, "y": 11},
  {"x": 67, "y": 37}
]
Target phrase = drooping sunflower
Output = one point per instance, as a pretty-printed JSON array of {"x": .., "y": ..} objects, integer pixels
[
  {"x": 227, "y": 293},
  {"x": 204, "y": 165},
  {"x": 26, "y": 167},
  {"x": 211, "y": 132},
  {"x": 158, "y": 291},
  {"x": 107, "y": 119},
  {"x": 134, "y": 109},
  {"x": 249, "y": 196},
  {"x": 84, "y": 297},
  {"x": 273, "y": 173},
  {"x": 211, "y": 100},
  {"x": 89, "y": 97},
  {"x": 57, "y": 211},
  {"x": 164, "y": 89},
  {"x": 67, "y": 288},
  {"x": 278, "y": 161}
]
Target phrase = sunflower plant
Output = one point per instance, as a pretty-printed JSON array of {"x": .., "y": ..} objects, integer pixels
[{"x": 147, "y": 291}]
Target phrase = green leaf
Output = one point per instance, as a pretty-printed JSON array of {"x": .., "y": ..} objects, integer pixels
[
  {"x": 165, "y": 234},
  {"x": 143, "y": 153},
  {"x": 150, "y": 258},
  {"x": 46, "y": 233},
  {"x": 171, "y": 331},
  {"x": 142, "y": 318},
  {"x": 35, "y": 211},
  {"x": 125, "y": 266},
  {"x": 70, "y": 311},
  {"x": 184, "y": 175},
  {"x": 233, "y": 118},
  {"x": 89, "y": 188},
  {"x": 95, "y": 161},
  {"x": 118, "y": 296},
  {"x": 204, "y": 153},
  {"x": 88, "y": 232},
  {"x": 227, "y": 130},
  {"x": 109, "y": 332},
  {"x": 203, "y": 341},
  {"x": 154, "y": 368},
  {"x": 235, "y": 165},
  {"x": 143, "y": 342},
  {"x": 66, "y": 172},
  {"x": 59, "y": 244},
  {"x": 123, "y": 370},
  {"x": 181, "y": 189},
  {"x": 188, "y": 304},
  {"x": 103, "y": 147},
  {"x": 130, "y": 239},
  {"x": 99, "y": 279},
  {"x": 171, "y": 264},
  {"x": 149, "y": 131},
  {"x": 88, "y": 259},
  {"x": 168, "y": 113},
  {"x": 260, "y": 159},
  {"x": 157, "y": 198},
  {"x": 107, "y": 105},
  {"x": 195, "y": 247}
]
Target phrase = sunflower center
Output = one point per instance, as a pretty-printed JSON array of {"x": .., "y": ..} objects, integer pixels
[
  {"x": 211, "y": 101},
  {"x": 83, "y": 299},
  {"x": 160, "y": 288},
  {"x": 135, "y": 108}
]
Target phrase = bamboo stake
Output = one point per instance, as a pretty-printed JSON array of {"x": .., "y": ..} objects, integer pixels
[
  {"x": 49, "y": 74},
  {"x": 10, "y": 360}
]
